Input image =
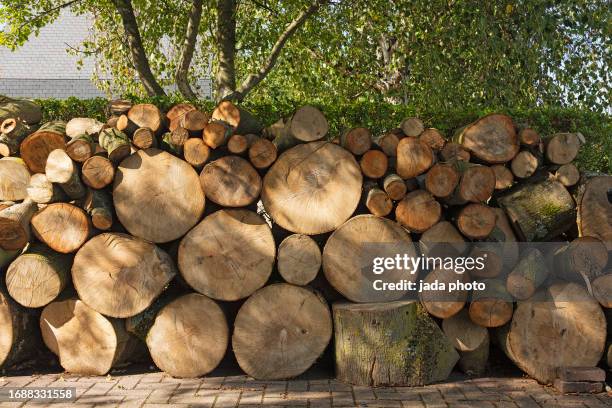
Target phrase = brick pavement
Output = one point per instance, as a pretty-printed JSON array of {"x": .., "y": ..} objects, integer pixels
[{"x": 156, "y": 389}]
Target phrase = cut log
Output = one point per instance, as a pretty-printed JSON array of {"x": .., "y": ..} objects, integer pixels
[
  {"x": 299, "y": 259},
  {"x": 216, "y": 134},
  {"x": 146, "y": 115},
  {"x": 42, "y": 191},
  {"x": 83, "y": 126},
  {"x": 562, "y": 326},
  {"x": 378, "y": 202},
  {"x": 442, "y": 302},
  {"x": 414, "y": 157},
  {"x": 38, "y": 276},
  {"x": 15, "y": 225},
  {"x": 262, "y": 153},
  {"x": 528, "y": 275},
  {"x": 125, "y": 125},
  {"x": 529, "y": 137},
  {"x": 157, "y": 196},
  {"x": 99, "y": 206},
  {"x": 61, "y": 169},
  {"x": 35, "y": 148},
  {"x": 412, "y": 127},
  {"x": 524, "y": 164},
  {"x": 119, "y": 106},
  {"x": 454, "y": 152},
  {"x": 196, "y": 152},
  {"x": 595, "y": 209},
  {"x": 240, "y": 120},
  {"x": 180, "y": 344},
  {"x": 301, "y": 189},
  {"x": 228, "y": 256},
  {"x": 441, "y": 180},
  {"x": 442, "y": 240},
  {"x": 26, "y": 110},
  {"x": 280, "y": 332},
  {"x": 433, "y": 138},
  {"x": 357, "y": 140},
  {"x": 98, "y": 172},
  {"x": 119, "y": 275},
  {"x": 194, "y": 121},
  {"x": 390, "y": 344},
  {"x": 470, "y": 340},
  {"x": 568, "y": 175},
  {"x": 231, "y": 181},
  {"x": 388, "y": 143},
  {"x": 307, "y": 124},
  {"x": 80, "y": 148},
  {"x": 12, "y": 133},
  {"x": 539, "y": 211},
  {"x": 19, "y": 333},
  {"x": 144, "y": 138},
  {"x": 476, "y": 221},
  {"x": 237, "y": 144},
  {"x": 581, "y": 261},
  {"x": 395, "y": 187},
  {"x": 562, "y": 148},
  {"x": 367, "y": 237},
  {"x": 418, "y": 211},
  {"x": 503, "y": 177},
  {"x": 62, "y": 227},
  {"x": 476, "y": 185},
  {"x": 491, "y": 307},
  {"x": 173, "y": 141},
  {"x": 374, "y": 164},
  {"x": 86, "y": 342},
  {"x": 491, "y": 138},
  {"x": 179, "y": 110},
  {"x": 14, "y": 179},
  {"x": 116, "y": 144},
  {"x": 602, "y": 290}
]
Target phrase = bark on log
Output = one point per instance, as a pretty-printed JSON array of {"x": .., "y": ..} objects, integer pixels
[
  {"x": 216, "y": 134},
  {"x": 231, "y": 181},
  {"x": 14, "y": 179},
  {"x": 19, "y": 333},
  {"x": 581, "y": 261},
  {"x": 433, "y": 138},
  {"x": 144, "y": 138},
  {"x": 38, "y": 276},
  {"x": 602, "y": 290},
  {"x": 378, "y": 202},
  {"x": 62, "y": 227},
  {"x": 443, "y": 303},
  {"x": 146, "y": 115},
  {"x": 503, "y": 177},
  {"x": 491, "y": 138},
  {"x": 307, "y": 124},
  {"x": 61, "y": 169},
  {"x": 116, "y": 144},
  {"x": 441, "y": 180},
  {"x": 595, "y": 209},
  {"x": 388, "y": 143},
  {"x": 562, "y": 148},
  {"x": 83, "y": 126},
  {"x": 262, "y": 153},
  {"x": 476, "y": 221},
  {"x": 357, "y": 140},
  {"x": 180, "y": 344},
  {"x": 228, "y": 256},
  {"x": 12, "y": 132},
  {"x": 119, "y": 275},
  {"x": 418, "y": 211},
  {"x": 179, "y": 110},
  {"x": 390, "y": 344},
  {"x": 395, "y": 187},
  {"x": 157, "y": 196},
  {"x": 99, "y": 206},
  {"x": 412, "y": 127},
  {"x": 414, "y": 157},
  {"x": 119, "y": 106},
  {"x": 524, "y": 164},
  {"x": 240, "y": 120},
  {"x": 374, "y": 164},
  {"x": 301, "y": 189},
  {"x": 539, "y": 211},
  {"x": 299, "y": 259},
  {"x": 280, "y": 331},
  {"x": 86, "y": 342},
  {"x": 35, "y": 148},
  {"x": 80, "y": 148},
  {"x": 470, "y": 340},
  {"x": 353, "y": 277},
  {"x": 528, "y": 275},
  {"x": 491, "y": 307},
  {"x": 442, "y": 240},
  {"x": 15, "y": 225},
  {"x": 196, "y": 152},
  {"x": 98, "y": 172},
  {"x": 568, "y": 175},
  {"x": 174, "y": 141},
  {"x": 23, "y": 109},
  {"x": 454, "y": 152}
]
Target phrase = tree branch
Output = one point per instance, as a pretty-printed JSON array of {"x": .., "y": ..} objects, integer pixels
[
  {"x": 191, "y": 35},
  {"x": 51, "y": 10}
]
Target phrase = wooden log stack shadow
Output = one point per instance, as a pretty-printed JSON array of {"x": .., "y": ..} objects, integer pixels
[{"x": 137, "y": 236}]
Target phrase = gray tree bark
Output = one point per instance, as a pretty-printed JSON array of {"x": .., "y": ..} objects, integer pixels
[{"x": 191, "y": 35}]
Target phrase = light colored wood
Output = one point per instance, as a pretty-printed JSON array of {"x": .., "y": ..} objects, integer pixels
[
  {"x": 35, "y": 148},
  {"x": 231, "y": 181},
  {"x": 454, "y": 152},
  {"x": 442, "y": 240},
  {"x": 229, "y": 255},
  {"x": 388, "y": 143},
  {"x": 80, "y": 148},
  {"x": 414, "y": 157},
  {"x": 476, "y": 221},
  {"x": 528, "y": 275},
  {"x": 476, "y": 185},
  {"x": 14, "y": 179},
  {"x": 179, "y": 110},
  {"x": 280, "y": 332},
  {"x": 366, "y": 237},
  {"x": 395, "y": 187},
  {"x": 491, "y": 307},
  {"x": 237, "y": 144},
  {"x": 116, "y": 144},
  {"x": 62, "y": 227},
  {"x": 470, "y": 340},
  {"x": 262, "y": 153},
  {"x": 99, "y": 206},
  {"x": 418, "y": 211},
  {"x": 15, "y": 225},
  {"x": 240, "y": 120},
  {"x": 12, "y": 132},
  {"x": 491, "y": 138},
  {"x": 524, "y": 164},
  {"x": 146, "y": 115},
  {"x": 299, "y": 259},
  {"x": 503, "y": 177},
  {"x": 568, "y": 175},
  {"x": 433, "y": 138},
  {"x": 83, "y": 126},
  {"x": 157, "y": 196},
  {"x": 374, "y": 164},
  {"x": 378, "y": 202},
  {"x": 357, "y": 140},
  {"x": 180, "y": 344},
  {"x": 312, "y": 188},
  {"x": 443, "y": 303},
  {"x": 125, "y": 125},
  {"x": 562, "y": 148},
  {"x": 194, "y": 121},
  {"x": 441, "y": 180},
  {"x": 412, "y": 127},
  {"x": 595, "y": 210},
  {"x": 602, "y": 290},
  {"x": 216, "y": 134},
  {"x": 119, "y": 275},
  {"x": 62, "y": 170},
  {"x": 196, "y": 152},
  {"x": 581, "y": 261},
  {"x": 98, "y": 172},
  {"x": 144, "y": 138},
  {"x": 307, "y": 124}
]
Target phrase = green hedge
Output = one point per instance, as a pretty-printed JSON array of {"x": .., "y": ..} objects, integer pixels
[{"x": 596, "y": 127}]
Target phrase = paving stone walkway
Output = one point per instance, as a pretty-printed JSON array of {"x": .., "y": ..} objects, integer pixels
[{"x": 159, "y": 390}]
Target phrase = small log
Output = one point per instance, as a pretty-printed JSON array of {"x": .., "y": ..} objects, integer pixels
[
  {"x": 175, "y": 140},
  {"x": 378, "y": 202},
  {"x": 414, "y": 157},
  {"x": 119, "y": 275},
  {"x": 237, "y": 144},
  {"x": 83, "y": 126},
  {"x": 80, "y": 148},
  {"x": 307, "y": 124},
  {"x": 568, "y": 175},
  {"x": 299, "y": 259},
  {"x": 395, "y": 187},
  {"x": 442, "y": 240},
  {"x": 179, "y": 110},
  {"x": 26, "y": 110},
  {"x": 524, "y": 164},
  {"x": 491, "y": 138},
  {"x": 491, "y": 307},
  {"x": 35, "y": 148},
  {"x": 116, "y": 144},
  {"x": 12, "y": 132},
  {"x": 454, "y": 152},
  {"x": 374, "y": 164},
  {"x": 562, "y": 148},
  {"x": 14, "y": 179},
  {"x": 42, "y": 191},
  {"x": 196, "y": 152},
  {"x": 594, "y": 208},
  {"x": 503, "y": 177},
  {"x": 582, "y": 260},
  {"x": 112, "y": 121},
  {"x": 470, "y": 340},
  {"x": 62, "y": 227},
  {"x": 240, "y": 120},
  {"x": 216, "y": 134},
  {"x": 529, "y": 137},
  {"x": 412, "y": 127},
  {"x": 441, "y": 180},
  {"x": 98, "y": 172},
  {"x": 418, "y": 211},
  {"x": 262, "y": 153},
  {"x": 528, "y": 275},
  {"x": 477, "y": 183},
  {"x": 417, "y": 353},
  {"x": 125, "y": 125},
  {"x": 61, "y": 169},
  {"x": 231, "y": 181},
  {"x": 146, "y": 115},
  {"x": 15, "y": 225},
  {"x": 441, "y": 302},
  {"x": 119, "y": 106},
  {"x": 602, "y": 290},
  {"x": 99, "y": 206},
  {"x": 294, "y": 326},
  {"x": 19, "y": 334},
  {"x": 239, "y": 255},
  {"x": 357, "y": 140},
  {"x": 38, "y": 276},
  {"x": 144, "y": 138},
  {"x": 433, "y": 138},
  {"x": 388, "y": 143},
  {"x": 194, "y": 121},
  {"x": 476, "y": 221}
]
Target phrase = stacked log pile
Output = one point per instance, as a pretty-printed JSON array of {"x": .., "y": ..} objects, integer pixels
[{"x": 136, "y": 235}]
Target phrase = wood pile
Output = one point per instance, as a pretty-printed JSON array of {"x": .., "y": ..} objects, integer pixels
[{"x": 138, "y": 234}]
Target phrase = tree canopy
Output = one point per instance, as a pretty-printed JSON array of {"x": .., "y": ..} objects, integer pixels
[{"x": 446, "y": 53}]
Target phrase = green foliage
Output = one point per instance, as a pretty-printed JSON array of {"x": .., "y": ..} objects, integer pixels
[{"x": 596, "y": 155}]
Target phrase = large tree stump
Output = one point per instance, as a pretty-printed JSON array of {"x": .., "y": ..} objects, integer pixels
[
  {"x": 312, "y": 188},
  {"x": 19, "y": 334},
  {"x": 280, "y": 331},
  {"x": 470, "y": 340},
  {"x": 231, "y": 181},
  {"x": 491, "y": 138},
  {"x": 390, "y": 344},
  {"x": 35, "y": 148},
  {"x": 15, "y": 225},
  {"x": 62, "y": 227},
  {"x": 86, "y": 342},
  {"x": 595, "y": 209},
  {"x": 180, "y": 344},
  {"x": 299, "y": 259},
  {"x": 229, "y": 255},
  {"x": 157, "y": 196},
  {"x": 14, "y": 179},
  {"x": 366, "y": 237},
  {"x": 120, "y": 275}
]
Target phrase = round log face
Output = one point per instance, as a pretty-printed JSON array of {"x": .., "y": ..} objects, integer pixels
[
  {"x": 180, "y": 344},
  {"x": 6, "y": 324},
  {"x": 463, "y": 333},
  {"x": 229, "y": 255},
  {"x": 477, "y": 184},
  {"x": 14, "y": 179},
  {"x": 157, "y": 196},
  {"x": 563, "y": 148},
  {"x": 299, "y": 259},
  {"x": 312, "y": 188},
  {"x": 228, "y": 113},
  {"x": 280, "y": 331},
  {"x": 418, "y": 211},
  {"x": 231, "y": 182},
  {"x": 98, "y": 172},
  {"x": 491, "y": 138},
  {"x": 443, "y": 304},
  {"x": 145, "y": 115},
  {"x": 35, "y": 149},
  {"x": 33, "y": 281},
  {"x": 414, "y": 157},
  {"x": 62, "y": 227},
  {"x": 366, "y": 237},
  {"x": 308, "y": 124},
  {"x": 120, "y": 275}
]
